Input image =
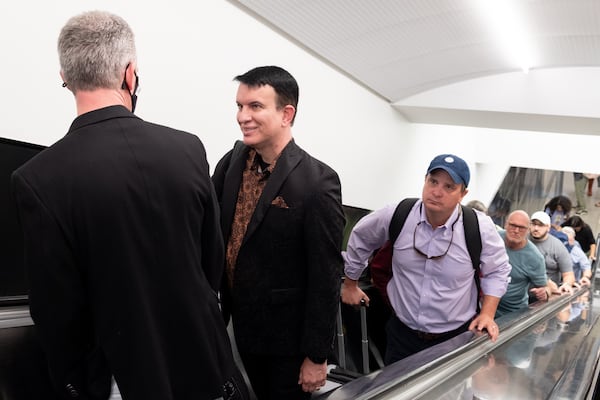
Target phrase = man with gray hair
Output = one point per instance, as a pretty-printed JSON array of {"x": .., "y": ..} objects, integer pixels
[
  {"x": 528, "y": 272},
  {"x": 123, "y": 247}
]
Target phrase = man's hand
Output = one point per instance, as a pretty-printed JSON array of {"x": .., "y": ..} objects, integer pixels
[
  {"x": 541, "y": 293},
  {"x": 482, "y": 322},
  {"x": 312, "y": 376},
  {"x": 565, "y": 288},
  {"x": 585, "y": 281},
  {"x": 352, "y": 294}
]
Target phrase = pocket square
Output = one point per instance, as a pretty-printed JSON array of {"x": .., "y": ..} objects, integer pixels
[{"x": 279, "y": 202}]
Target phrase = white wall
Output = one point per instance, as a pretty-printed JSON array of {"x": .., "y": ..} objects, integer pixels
[
  {"x": 492, "y": 151},
  {"x": 188, "y": 53}
]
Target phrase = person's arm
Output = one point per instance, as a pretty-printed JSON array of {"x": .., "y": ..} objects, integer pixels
[
  {"x": 323, "y": 231},
  {"x": 553, "y": 286},
  {"x": 213, "y": 252},
  {"x": 568, "y": 280},
  {"x": 495, "y": 270},
  {"x": 586, "y": 279},
  {"x": 352, "y": 294},
  {"x": 537, "y": 275},
  {"x": 586, "y": 268},
  {"x": 368, "y": 234},
  {"x": 57, "y": 296},
  {"x": 593, "y": 251},
  {"x": 485, "y": 318},
  {"x": 541, "y": 293},
  {"x": 565, "y": 266},
  {"x": 313, "y": 375}
]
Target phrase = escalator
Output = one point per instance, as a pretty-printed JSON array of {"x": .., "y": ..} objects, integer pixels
[{"x": 547, "y": 351}]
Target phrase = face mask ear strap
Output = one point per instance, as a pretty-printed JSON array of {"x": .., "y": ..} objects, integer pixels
[{"x": 124, "y": 86}]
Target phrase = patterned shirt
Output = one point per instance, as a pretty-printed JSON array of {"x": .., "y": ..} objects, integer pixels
[{"x": 254, "y": 180}]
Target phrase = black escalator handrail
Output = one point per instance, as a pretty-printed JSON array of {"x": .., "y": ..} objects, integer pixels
[{"x": 414, "y": 384}]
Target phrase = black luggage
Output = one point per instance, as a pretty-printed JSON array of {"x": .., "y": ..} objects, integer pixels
[{"x": 355, "y": 356}]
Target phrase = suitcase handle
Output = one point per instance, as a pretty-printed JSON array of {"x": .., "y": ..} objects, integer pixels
[{"x": 365, "y": 336}]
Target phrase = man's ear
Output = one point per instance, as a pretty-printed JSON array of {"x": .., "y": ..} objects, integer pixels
[
  {"x": 130, "y": 72},
  {"x": 62, "y": 77},
  {"x": 288, "y": 115}
]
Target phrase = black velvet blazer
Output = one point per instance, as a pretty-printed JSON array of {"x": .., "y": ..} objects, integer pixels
[{"x": 287, "y": 277}]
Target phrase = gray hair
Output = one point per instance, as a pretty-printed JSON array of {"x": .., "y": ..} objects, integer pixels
[
  {"x": 567, "y": 230},
  {"x": 94, "y": 49},
  {"x": 477, "y": 205}
]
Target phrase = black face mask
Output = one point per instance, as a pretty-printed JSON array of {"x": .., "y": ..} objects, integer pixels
[
  {"x": 135, "y": 89},
  {"x": 134, "y": 95}
]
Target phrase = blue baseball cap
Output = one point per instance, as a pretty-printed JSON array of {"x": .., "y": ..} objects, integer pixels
[{"x": 453, "y": 165}]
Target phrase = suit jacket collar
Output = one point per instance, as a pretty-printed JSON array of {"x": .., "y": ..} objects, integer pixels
[
  {"x": 99, "y": 115},
  {"x": 287, "y": 161}
]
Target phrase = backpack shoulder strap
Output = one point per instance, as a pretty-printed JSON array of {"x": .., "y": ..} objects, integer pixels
[
  {"x": 472, "y": 236},
  {"x": 399, "y": 217},
  {"x": 473, "y": 239}
]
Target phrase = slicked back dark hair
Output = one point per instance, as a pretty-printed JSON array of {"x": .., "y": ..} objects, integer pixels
[{"x": 279, "y": 79}]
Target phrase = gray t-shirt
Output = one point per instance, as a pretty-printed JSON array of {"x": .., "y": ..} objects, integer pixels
[{"x": 556, "y": 256}]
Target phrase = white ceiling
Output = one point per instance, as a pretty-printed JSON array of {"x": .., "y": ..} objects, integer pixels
[{"x": 401, "y": 49}]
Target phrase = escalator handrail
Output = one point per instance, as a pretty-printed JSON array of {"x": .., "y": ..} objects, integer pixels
[{"x": 414, "y": 383}]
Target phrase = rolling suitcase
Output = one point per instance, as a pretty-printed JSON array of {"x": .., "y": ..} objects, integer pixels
[{"x": 344, "y": 372}]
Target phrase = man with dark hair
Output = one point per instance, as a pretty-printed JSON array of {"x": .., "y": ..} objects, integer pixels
[
  {"x": 282, "y": 221},
  {"x": 559, "y": 266},
  {"x": 122, "y": 239}
]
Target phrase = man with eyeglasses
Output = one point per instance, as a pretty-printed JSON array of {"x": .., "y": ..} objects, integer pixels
[
  {"x": 528, "y": 267},
  {"x": 433, "y": 291},
  {"x": 122, "y": 239},
  {"x": 559, "y": 266}
]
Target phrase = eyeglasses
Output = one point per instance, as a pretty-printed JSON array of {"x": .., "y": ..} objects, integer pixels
[
  {"x": 449, "y": 244},
  {"x": 516, "y": 227}
]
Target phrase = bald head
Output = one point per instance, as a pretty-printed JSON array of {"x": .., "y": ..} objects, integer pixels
[{"x": 517, "y": 229}]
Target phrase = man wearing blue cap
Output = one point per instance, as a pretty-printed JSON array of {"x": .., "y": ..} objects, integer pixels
[{"x": 433, "y": 291}]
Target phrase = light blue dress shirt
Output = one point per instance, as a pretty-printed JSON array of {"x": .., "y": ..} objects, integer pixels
[{"x": 436, "y": 294}]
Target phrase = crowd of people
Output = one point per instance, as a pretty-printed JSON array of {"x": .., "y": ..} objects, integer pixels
[{"x": 138, "y": 258}]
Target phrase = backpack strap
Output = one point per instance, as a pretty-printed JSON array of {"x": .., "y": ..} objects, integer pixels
[
  {"x": 470, "y": 222},
  {"x": 473, "y": 239},
  {"x": 472, "y": 236},
  {"x": 399, "y": 217}
]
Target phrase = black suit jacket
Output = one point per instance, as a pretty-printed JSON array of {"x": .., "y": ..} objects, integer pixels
[
  {"x": 124, "y": 256},
  {"x": 287, "y": 276}
]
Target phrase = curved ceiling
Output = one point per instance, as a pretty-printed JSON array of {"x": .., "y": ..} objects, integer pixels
[{"x": 402, "y": 48}]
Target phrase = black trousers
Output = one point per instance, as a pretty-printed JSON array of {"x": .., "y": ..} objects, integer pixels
[
  {"x": 403, "y": 341},
  {"x": 274, "y": 377}
]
